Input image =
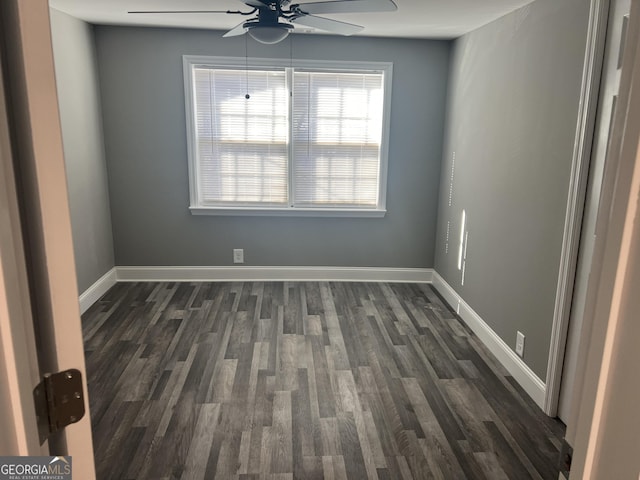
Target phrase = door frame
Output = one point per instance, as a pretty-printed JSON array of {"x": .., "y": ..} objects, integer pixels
[
  {"x": 587, "y": 111},
  {"x": 604, "y": 426},
  {"x": 44, "y": 219},
  {"x": 18, "y": 359}
]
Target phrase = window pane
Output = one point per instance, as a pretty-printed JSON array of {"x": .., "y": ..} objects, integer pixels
[
  {"x": 241, "y": 143},
  {"x": 337, "y": 130}
]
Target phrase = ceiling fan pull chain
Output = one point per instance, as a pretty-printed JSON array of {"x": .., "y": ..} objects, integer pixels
[{"x": 246, "y": 66}]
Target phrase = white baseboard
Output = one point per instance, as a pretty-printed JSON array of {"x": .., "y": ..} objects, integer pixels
[
  {"x": 255, "y": 274},
  {"x": 99, "y": 288},
  {"x": 527, "y": 379}
]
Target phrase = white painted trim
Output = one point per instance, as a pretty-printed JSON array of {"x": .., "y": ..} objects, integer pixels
[
  {"x": 604, "y": 414},
  {"x": 244, "y": 273},
  {"x": 18, "y": 353},
  {"x": 196, "y": 205},
  {"x": 288, "y": 212},
  {"x": 97, "y": 290},
  {"x": 592, "y": 71},
  {"x": 527, "y": 379}
]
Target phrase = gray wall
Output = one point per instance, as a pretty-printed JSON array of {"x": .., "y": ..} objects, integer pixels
[
  {"x": 511, "y": 121},
  {"x": 79, "y": 101},
  {"x": 144, "y": 126}
]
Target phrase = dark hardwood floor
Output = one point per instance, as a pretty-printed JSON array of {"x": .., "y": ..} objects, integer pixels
[{"x": 302, "y": 381}]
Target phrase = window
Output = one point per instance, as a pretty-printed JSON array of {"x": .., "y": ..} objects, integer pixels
[{"x": 309, "y": 140}]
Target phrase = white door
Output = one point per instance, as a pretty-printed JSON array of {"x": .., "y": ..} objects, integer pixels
[
  {"x": 619, "y": 10},
  {"x": 604, "y": 427},
  {"x": 37, "y": 269},
  {"x": 18, "y": 360}
]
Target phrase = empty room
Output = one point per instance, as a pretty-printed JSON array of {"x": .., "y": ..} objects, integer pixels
[{"x": 352, "y": 239}]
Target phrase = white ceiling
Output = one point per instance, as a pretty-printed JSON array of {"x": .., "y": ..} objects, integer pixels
[{"x": 413, "y": 19}]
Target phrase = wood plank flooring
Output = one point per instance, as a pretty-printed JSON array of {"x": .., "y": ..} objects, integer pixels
[{"x": 302, "y": 381}]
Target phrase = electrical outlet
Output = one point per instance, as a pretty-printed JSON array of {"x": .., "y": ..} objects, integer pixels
[
  {"x": 520, "y": 344},
  {"x": 238, "y": 255}
]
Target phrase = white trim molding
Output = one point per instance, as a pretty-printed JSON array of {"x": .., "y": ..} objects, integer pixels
[
  {"x": 520, "y": 371},
  {"x": 290, "y": 204},
  {"x": 592, "y": 72},
  {"x": 248, "y": 274},
  {"x": 92, "y": 294},
  {"x": 288, "y": 212}
]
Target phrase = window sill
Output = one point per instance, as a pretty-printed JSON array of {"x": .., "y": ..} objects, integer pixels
[{"x": 288, "y": 212}]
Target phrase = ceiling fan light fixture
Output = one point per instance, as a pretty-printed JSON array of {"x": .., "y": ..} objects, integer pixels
[{"x": 268, "y": 34}]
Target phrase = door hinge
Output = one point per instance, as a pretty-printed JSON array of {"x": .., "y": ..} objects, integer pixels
[{"x": 59, "y": 401}]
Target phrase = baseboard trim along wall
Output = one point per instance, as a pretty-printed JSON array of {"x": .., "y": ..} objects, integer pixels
[
  {"x": 92, "y": 294},
  {"x": 255, "y": 274},
  {"x": 520, "y": 371}
]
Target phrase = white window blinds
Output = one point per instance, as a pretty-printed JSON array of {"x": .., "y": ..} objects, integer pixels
[
  {"x": 309, "y": 139},
  {"x": 337, "y": 129},
  {"x": 241, "y": 143}
]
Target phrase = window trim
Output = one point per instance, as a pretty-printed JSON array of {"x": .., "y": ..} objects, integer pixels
[{"x": 189, "y": 61}]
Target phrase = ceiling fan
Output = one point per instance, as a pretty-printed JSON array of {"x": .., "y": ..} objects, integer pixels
[{"x": 276, "y": 18}]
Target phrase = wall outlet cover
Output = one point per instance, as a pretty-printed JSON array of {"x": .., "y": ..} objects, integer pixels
[
  {"x": 238, "y": 255},
  {"x": 520, "y": 344}
]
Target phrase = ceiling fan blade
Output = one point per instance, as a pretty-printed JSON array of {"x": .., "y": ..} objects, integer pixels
[
  {"x": 328, "y": 25},
  {"x": 349, "y": 6},
  {"x": 256, "y": 3},
  {"x": 235, "y": 31},
  {"x": 180, "y": 11}
]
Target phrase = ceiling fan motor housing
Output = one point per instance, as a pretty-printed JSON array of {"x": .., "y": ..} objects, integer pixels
[
  {"x": 267, "y": 29},
  {"x": 266, "y": 16}
]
